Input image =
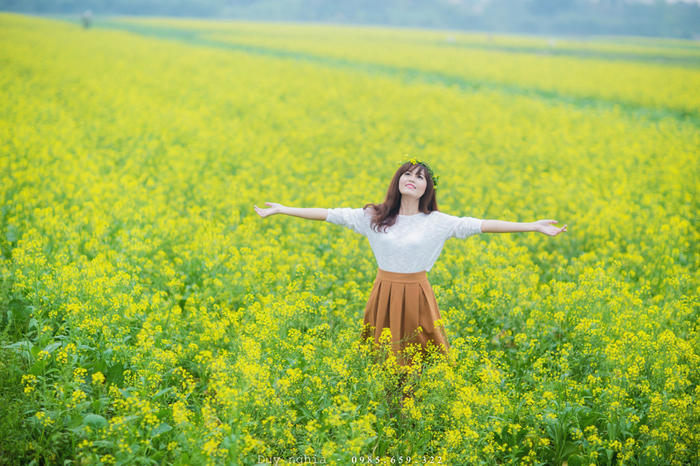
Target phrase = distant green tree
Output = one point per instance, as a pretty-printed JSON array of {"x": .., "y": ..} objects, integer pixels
[{"x": 511, "y": 16}]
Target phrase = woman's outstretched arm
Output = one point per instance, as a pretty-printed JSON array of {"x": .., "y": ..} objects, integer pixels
[
  {"x": 501, "y": 226},
  {"x": 310, "y": 213}
]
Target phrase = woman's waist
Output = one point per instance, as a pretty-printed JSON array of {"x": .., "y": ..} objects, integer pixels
[{"x": 402, "y": 277}]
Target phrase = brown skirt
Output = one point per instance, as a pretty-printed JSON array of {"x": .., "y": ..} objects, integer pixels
[{"x": 402, "y": 302}]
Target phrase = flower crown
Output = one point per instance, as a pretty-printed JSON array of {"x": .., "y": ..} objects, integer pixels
[{"x": 427, "y": 167}]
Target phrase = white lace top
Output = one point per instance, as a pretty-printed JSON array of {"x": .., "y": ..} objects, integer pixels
[{"x": 413, "y": 243}]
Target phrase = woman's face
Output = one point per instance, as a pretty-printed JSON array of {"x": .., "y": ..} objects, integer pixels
[{"x": 413, "y": 183}]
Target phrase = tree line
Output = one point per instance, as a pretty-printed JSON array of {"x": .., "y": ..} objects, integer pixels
[{"x": 562, "y": 17}]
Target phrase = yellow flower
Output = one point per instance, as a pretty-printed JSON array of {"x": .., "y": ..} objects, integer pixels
[
  {"x": 181, "y": 415},
  {"x": 210, "y": 447},
  {"x": 98, "y": 378},
  {"x": 45, "y": 420},
  {"x": 77, "y": 397},
  {"x": 29, "y": 381}
]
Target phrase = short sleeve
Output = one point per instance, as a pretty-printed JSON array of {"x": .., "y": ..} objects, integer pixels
[
  {"x": 463, "y": 227},
  {"x": 355, "y": 219}
]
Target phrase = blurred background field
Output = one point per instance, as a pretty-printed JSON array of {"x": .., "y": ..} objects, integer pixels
[{"x": 148, "y": 315}]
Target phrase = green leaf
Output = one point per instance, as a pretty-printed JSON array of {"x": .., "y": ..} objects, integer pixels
[
  {"x": 163, "y": 391},
  {"x": 12, "y": 233},
  {"x": 575, "y": 460},
  {"x": 162, "y": 428},
  {"x": 569, "y": 448},
  {"x": 95, "y": 421},
  {"x": 52, "y": 346},
  {"x": 20, "y": 345},
  {"x": 104, "y": 444}
]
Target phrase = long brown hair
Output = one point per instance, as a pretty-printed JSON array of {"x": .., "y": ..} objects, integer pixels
[{"x": 385, "y": 213}]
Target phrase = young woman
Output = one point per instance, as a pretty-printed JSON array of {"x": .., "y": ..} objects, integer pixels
[{"x": 406, "y": 233}]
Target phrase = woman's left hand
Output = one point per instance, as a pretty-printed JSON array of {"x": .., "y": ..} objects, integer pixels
[{"x": 543, "y": 226}]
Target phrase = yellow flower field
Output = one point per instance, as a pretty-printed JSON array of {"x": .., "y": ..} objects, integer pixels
[{"x": 149, "y": 316}]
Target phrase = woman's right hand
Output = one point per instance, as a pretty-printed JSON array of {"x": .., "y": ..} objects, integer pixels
[{"x": 273, "y": 208}]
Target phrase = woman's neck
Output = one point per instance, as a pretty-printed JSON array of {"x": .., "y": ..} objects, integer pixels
[{"x": 409, "y": 206}]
